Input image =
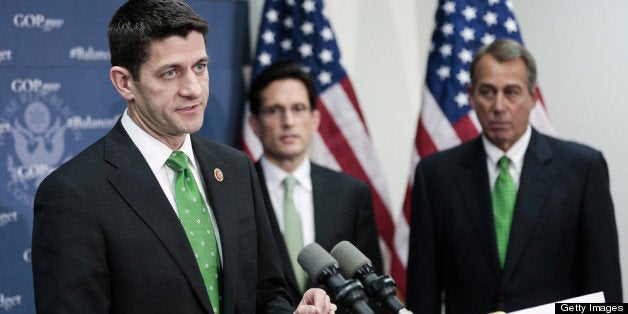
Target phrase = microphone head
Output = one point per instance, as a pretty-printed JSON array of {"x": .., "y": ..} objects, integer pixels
[
  {"x": 314, "y": 260},
  {"x": 349, "y": 258}
]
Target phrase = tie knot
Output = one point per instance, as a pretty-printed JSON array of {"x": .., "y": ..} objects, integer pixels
[
  {"x": 289, "y": 182},
  {"x": 503, "y": 163},
  {"x": 178, "y": 161}
]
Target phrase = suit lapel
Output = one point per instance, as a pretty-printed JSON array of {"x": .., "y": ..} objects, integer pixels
[
  {"x": 324, "y": 207},
  {"x": 477, "y": 200},
  {"x": 137, "y": 184},
  {"x": 537, "y": 176}
]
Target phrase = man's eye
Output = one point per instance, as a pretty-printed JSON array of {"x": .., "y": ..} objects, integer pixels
[
  {"x": 512, "y": 92},
  {"x": 170, "y": 73},
  {"x": 299, "y": 108},
  {"x": 201, "y": 67},
  {"x": 486, "y": 92},
  {"x": 270, "y": 111}
]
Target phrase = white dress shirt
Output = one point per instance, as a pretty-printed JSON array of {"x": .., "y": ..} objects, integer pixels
[
  {"x": 303, "y": 197},
  {"x": 516, "y": 153},
  {"x": 156, "y": 153}
]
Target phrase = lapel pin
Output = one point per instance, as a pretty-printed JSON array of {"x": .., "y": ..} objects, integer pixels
[{"x": 218, "y": 175}]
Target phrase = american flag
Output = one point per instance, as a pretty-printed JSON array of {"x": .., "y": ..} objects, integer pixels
[
  {"x": 446, "y": 118},
  {"x": 300, "y": 30}
]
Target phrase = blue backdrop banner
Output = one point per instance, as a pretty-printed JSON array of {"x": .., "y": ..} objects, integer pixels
[{"x": 56, "y": 99}]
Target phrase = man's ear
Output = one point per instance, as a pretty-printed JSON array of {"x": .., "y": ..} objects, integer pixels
[
  {"x": 316, "y": 117},
  {"x": 123, "y": 81},
  {"x": 470, "y": 94},
  {"x": 254, "y": 123},
  {"x": 535, "y": 93}
]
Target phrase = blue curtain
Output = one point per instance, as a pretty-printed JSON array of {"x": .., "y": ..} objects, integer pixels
[{"x": 56, "y": 99}]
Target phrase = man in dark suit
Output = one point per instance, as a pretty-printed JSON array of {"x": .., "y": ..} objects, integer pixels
[
  {"x": 331, "y": 206},
  {"x": 556, "y": 240},
  {"x": 107, "y": 236}
]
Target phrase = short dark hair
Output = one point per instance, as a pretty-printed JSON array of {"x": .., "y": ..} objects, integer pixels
[
  {"x": 505, "y": 50},
  {"x": 280, "y": 70},
  {"x": 139, "y": 22}
]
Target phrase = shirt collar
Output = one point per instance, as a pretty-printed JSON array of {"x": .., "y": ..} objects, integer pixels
[
  {"x": 155, "y": 152},
  {"x": 516, "y": 153},
  {"x": 274, "y": 175}
]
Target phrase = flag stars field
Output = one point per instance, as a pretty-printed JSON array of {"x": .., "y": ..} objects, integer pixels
[
  {"x": 449, "y": 7},
  {"x": 286, "y": 44},
  {"x": 469, "y": 13},
  {"x": 324, "y": 77},
  {"x": 288, "y": 22},
  {"x": 468, "y": 34},
  {"x": 465, "y": 55},
  {"x": 309, "y": 6},
  {"x": 463, "y": 77},
  {"x": 445, "y": 50},
  {"x": 462, "y": 99},
  {"x": 269, "y": 37},
  {"x": 272, "y": 16},
  {"x": 511, "y": 25},
  {"x": 264, "y": 58},
  {"x": 307, "y": 28},
  {"x": 447, "y": 29},
  {"x": 305, "y": 50},
  {"x": 487, "y": 39},
  {"x": 443, "y": 72},
  {"x": 490, "y": 18},
  {"x": 327, "y": 34},
  {"x": 326, "y": 56}
]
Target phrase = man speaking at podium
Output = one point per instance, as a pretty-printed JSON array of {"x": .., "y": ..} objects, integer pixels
[{"x": 152, "y": 218}]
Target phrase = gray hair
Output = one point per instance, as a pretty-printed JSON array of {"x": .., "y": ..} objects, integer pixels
[{"x": 505, "y": 50}]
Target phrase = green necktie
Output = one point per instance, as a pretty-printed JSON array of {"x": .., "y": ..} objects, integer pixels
[
  {"x": 293, "y": 234},
  {"x": 198, "y": 226},
  {"x": 504, "y": 195}
]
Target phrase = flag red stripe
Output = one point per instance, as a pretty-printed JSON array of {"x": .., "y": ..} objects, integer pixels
[
  {"x": 465, "y": 129},
  {"x": 245, "y": 149},
  {"x": 348, "y": 88},
  {"x": 398, "y": 272},
  {"x": 406, "y": 201},
  {"x": 348, "y": 162},
  {"x": 423, "y": 141}
]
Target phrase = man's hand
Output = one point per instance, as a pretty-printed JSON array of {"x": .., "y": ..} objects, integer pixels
[{"x": 315, "y": 301}]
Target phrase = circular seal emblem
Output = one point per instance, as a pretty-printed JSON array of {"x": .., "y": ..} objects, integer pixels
[{"x": 33, "y": 141}]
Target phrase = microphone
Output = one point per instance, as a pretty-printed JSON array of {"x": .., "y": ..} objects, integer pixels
[
  {"x": 323, "y": 269},
  {"x": 381, "y": 289}
]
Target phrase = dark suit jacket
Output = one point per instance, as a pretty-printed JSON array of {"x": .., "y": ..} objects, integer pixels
[
  {"x": 343, "y": 210},
  {"x": 563, "y": 242},
  {"x": 106, "y": 239}
]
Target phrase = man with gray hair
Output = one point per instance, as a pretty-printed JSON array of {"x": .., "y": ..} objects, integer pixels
[{"x": 513, "y": 218}]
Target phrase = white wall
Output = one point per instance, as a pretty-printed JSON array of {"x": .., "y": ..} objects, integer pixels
[{"x": 580, "y": 46}]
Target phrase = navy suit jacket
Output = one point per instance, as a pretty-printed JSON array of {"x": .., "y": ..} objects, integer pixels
[
  {"x": 343, "y": 211},
  {"x": 106, "y": 239},
  {"x": 563, "y": 242}
]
